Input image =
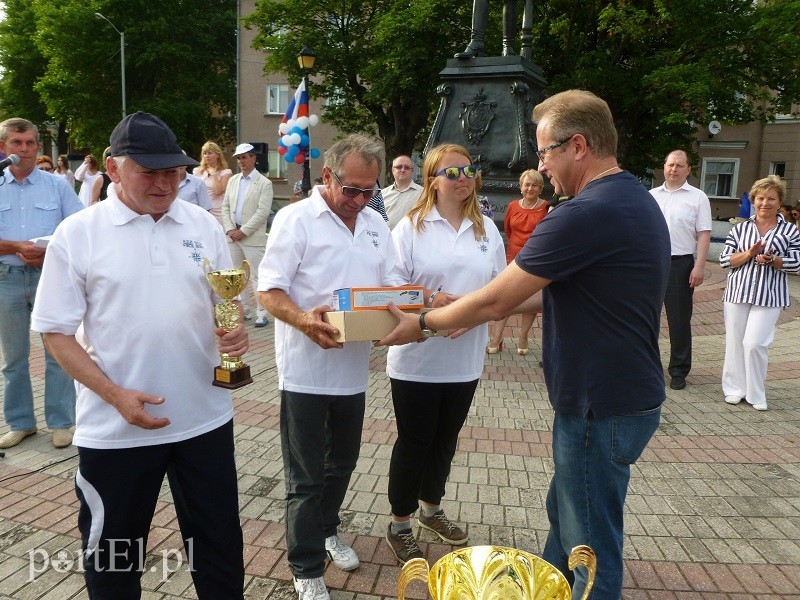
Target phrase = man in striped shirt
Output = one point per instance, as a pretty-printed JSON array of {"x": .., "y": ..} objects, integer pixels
[{"x": 688, "y": 214}]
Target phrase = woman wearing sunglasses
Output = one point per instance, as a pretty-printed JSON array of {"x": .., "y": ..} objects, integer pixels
[{"x": 447, "y": 246}]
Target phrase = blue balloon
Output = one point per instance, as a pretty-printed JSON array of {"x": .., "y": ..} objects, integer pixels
[
  {"x": 304, "y": 141},
  {"x": 288, "y": 158},
  {"x": 315, "y": 153},
  {"x": 296, "y": 129},
  {"x": 292, "y": 151}
]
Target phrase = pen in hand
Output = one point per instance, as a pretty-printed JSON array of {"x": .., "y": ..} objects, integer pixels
[{"x": 433, "y": 295}]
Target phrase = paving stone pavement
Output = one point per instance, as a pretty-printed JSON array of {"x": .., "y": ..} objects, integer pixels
[{"x": 713, "y": 510}]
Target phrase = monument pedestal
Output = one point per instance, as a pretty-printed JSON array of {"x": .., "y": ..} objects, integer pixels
[{"x": 486, "y": 106}]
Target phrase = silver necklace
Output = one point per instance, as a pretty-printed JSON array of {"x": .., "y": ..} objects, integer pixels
[{"x": 601, "y": 174}]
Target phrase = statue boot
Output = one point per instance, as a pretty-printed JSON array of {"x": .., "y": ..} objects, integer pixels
[{"x": 474, "y": 48}]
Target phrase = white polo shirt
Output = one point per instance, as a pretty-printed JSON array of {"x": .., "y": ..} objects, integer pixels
[
  {"x": 139, "y": 288},
  {"x": 455, "y": 260},
  {"x": 310, "y": 253},
  {"x": 687, "y": 211}
]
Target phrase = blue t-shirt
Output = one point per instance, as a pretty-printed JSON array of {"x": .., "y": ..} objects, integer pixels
[{"x": 607, "y": 252}]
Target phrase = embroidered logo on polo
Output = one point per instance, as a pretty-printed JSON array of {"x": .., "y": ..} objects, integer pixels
[
  {"x": 196, "y": 256},
  {"x": 375, "y": 237},
  {"x": 483, "y": 244}
]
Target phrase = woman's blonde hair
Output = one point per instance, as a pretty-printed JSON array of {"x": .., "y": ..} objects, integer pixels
[
  {"x": 770, "y": 182},
  {"x": 469, "y": 209},
  {"x": 534, "y": 176},
  {"x": 221, "y": 162}
]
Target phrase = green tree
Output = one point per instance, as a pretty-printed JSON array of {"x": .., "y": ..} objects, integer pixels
[
  {"x": 663, "y": 69},
  {"x": 378, "y": 60},
  {"x": 664, "y": 66},
  {"x": 180, "y": 65},
  {"x": 21, "y": 64}
]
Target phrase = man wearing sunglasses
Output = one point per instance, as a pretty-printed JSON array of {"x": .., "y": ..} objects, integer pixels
[
  {"x": 602, "y": 260},
  {"x": 403, "y": 193},
  {"x": 327, "y": 242}
]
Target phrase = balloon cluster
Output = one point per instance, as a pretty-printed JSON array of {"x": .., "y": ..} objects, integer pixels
[{"x": 293, "y": 144}]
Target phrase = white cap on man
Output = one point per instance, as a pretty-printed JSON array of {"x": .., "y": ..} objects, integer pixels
[{"x": 244, "y": 149}]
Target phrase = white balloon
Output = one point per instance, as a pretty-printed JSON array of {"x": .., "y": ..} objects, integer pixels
[
  {"x": 313, "y": 120},
  {"x": 287, "y": 140},
  {"x": 290, "y": 123},
  {"x": 295, "y": 138},
  {"x": 302, "y": 122},
  {"x": 283, "y": 127}
]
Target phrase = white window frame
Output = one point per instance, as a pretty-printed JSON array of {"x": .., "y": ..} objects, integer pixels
[
  {"x": 773, "y": 167},
  {"x": 277, "y": 98},
  {"x": 278, "y": 167},
  {"x": 734, "y": 175}
]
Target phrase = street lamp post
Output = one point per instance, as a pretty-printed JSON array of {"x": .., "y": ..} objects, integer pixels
[
  {"x": 306, "y": 60},
  {"x": 121, "y": 58}
]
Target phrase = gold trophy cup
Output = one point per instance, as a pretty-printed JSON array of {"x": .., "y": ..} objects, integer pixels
[
  {"x": 231, "y": 373},
  {"x": 496, "y": 573}
]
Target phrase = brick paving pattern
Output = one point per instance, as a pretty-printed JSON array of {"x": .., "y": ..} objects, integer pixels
[{"x": 713, "y": 510}]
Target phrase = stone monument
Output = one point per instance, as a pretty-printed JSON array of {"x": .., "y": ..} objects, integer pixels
[{"x": 486, "y": 105}]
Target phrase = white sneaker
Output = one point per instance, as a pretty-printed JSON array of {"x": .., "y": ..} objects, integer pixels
[
  {"x": 762, "y": 406},
  {"x": 342, "y": 555},
  {"x": 733, "y": 399},
  {"x": 311, "y": 589}
]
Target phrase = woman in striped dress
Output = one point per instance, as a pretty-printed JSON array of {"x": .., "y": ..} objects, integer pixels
[{"x": 759, "y": 252}]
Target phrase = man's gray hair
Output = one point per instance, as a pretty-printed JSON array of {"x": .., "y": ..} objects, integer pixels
[
  {"x": 17, "y": 125},
  {"x": 578, "y": 111},
  {"x": 370, "y": 150}
]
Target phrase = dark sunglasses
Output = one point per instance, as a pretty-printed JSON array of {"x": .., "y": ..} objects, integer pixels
[
  {"x": 353, "y": 192},
  {"x": 470, "y": 171}
]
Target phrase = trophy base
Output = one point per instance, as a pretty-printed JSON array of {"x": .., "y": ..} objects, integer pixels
[{"x": 232, "y": 379}]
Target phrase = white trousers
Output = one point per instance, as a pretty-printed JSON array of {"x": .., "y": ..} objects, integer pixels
[
  {"x": 253, "y": 254},
  {"x": 749, "y": 331}
]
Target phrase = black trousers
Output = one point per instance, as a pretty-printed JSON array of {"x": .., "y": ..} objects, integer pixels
[
  {"x": 118, "y": 490},
  {"x": 429, "y": 418},
  {"x": 320, "y": 442},
  {"x": 678, "y": 304}
]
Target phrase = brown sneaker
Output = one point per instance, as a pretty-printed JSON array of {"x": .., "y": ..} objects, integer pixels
[
  {"x": 62, "y": 438},
  {"x": 12, "y": 438},
  {"x": 403, "y": 544},
  {"x": 441, "y": 526}
]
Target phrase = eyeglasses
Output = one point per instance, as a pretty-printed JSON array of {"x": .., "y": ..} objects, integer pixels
[
  {"x": 542, "y": 152},
  {"x": 402, "y": 167},
  {"x": 470, "y": 171},
  {"x": 46, "y": 168},
  {"x": 353, "y": 192}
]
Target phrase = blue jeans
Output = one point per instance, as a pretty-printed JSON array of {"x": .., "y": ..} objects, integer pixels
[
  {"x": 17, "y": 293},
  {"x": 593, "y": 459},
  {"x": 320, "y": 440}
]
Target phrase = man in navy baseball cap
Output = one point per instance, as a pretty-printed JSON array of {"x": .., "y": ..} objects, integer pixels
[
  {"x": 148, "y": 346},
  {"x": 149, "y": 142}
]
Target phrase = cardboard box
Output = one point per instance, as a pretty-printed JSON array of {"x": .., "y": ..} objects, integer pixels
[
  {"x": 407, "y": 297},
  {"x": 362, "y": 325}
]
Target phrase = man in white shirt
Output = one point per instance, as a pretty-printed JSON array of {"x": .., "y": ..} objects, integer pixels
[
  {"x": 245, "y": 210},
  {"x": 326, "y": 242},
  {"x": 399, "y": 197},
  {"x": 193, "y": 189},
  {"x": 126, "y": 309},
  {"x": 688, "y": 214}
]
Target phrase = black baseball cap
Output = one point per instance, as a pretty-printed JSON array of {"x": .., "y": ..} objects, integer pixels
[{"x": 148, "y": 141}]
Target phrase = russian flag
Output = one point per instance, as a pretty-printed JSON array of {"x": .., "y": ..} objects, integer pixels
[{"x": 298, "y": 107}]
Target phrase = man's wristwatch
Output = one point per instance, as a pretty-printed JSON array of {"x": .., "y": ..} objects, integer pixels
[{"x": 425, "y": 331}]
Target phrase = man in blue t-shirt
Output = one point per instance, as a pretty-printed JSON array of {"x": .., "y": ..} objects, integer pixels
[{"x": 602, "y": 260}]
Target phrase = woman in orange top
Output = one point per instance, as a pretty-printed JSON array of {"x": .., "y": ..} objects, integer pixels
[{"x": 522, "y": 216}]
